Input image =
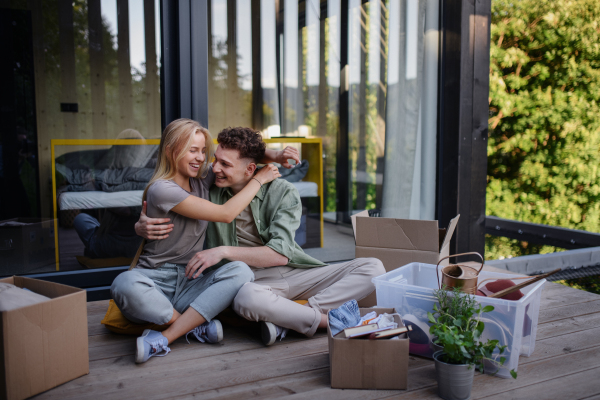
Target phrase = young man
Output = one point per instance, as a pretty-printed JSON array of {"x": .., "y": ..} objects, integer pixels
[{"x": 262, "y": 236}]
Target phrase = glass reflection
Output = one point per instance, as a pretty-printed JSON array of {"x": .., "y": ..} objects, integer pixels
[
  {"x": 389, "y": 76},
  {"x": 268, "y": 68},
  {"x": 88, "y": 71}
]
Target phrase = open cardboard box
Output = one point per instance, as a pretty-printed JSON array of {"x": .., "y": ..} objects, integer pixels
[
  {"x": 369, "y": 364},
  {"x": 397, "y": 242},
  {"x": 43, "y": 345}
]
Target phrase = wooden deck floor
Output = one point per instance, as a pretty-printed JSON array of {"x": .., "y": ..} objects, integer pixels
[{"x": 564, "y": 365}]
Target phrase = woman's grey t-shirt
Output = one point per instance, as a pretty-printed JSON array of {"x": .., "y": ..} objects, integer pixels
[{"x": 187, "y": 236}]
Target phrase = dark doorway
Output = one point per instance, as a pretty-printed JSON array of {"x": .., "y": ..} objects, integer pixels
[{"x": 19, "y": 177}]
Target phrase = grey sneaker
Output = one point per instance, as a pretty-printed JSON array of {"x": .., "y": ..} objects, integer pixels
[
  {"x": 270, "y": 332},
  {"x": 211, "y": 332},
  {"x": 149, "y": 345}
]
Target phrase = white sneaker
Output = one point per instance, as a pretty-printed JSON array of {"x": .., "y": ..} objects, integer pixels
[{"x": 270, "y": 332}]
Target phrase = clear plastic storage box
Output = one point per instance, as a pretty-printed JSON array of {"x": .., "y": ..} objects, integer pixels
[{"x": 410, "y": 288}]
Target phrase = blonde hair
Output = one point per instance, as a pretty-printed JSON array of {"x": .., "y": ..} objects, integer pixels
[{"x": 175, "y": 141}]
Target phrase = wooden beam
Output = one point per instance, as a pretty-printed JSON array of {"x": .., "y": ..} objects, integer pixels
[
  {"x": 199, "y": 48},
  {"x": 257, "y": 94},
  {"x": 97, "y": 77},
  {"x": 465, "y": 126},
  {"x": 185, "y": 59},
  {"x": 68, "y": 93},
  {"x": 152, "y": 78},
  {"x": 480, "y": 24},
  {"x": 343, "y": 181},
  {"x": 232, "y": 93},
  {"x": 43, "y": 133},
  {"x": 381, "y": 102},
  {"x": 462, "y": 148},
  {"x": 323, "y": 97},
  {"x": 361, "y": 162},
  {"x": 170, "y": 68},
  {"x": 124, "y": 68}
]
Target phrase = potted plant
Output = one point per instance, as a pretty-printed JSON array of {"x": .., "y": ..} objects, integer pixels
[{"x": 457, "y": 328}]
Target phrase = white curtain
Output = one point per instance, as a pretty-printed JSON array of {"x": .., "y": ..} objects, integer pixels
[{"x": 411, "y": 111}]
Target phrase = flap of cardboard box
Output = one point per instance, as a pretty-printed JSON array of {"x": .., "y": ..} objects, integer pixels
[
  {"x": 395, "y": 233},
  {"x": 445, "y": 246}
]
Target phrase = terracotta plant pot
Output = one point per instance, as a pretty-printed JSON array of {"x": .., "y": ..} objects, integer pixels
[{"x": 454, "y": 380}]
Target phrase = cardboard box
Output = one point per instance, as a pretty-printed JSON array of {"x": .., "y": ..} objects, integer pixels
[
  {"x": 397, "y": 242},
  {"x": 43, "y": 345},
  {"x": 28, "y": 247},
  {"x": 368, "y": 364}
]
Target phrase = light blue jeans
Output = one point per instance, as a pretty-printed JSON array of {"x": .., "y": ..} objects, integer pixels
[{"x": 150, "y": 295}]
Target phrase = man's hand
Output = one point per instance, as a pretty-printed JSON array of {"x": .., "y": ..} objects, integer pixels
[
  {"x": 203, "y": 260},
  {"x": 150, "y": 228},
  {"x": 289, "y": 153}
]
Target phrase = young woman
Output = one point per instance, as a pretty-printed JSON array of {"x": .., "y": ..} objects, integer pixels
[{"x": 158, "y": 288}]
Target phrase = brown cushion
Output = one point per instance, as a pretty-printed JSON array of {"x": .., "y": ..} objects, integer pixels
[{"x": 115, "y": 321}]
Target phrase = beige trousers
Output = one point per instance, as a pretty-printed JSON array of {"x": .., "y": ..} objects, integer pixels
[{"x": 269, "y": 297}]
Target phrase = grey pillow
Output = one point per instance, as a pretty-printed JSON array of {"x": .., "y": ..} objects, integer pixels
[
  {"x": 295, "y": 174},
  {"x": 123, "y": 156},
  {"x": 13, "y": 297}
]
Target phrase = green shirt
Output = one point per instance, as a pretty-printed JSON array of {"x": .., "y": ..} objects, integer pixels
[{"x": 277, "y": 210}]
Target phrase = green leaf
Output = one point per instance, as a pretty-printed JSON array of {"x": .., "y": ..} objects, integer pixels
[
  {"x": 513, "y": 373},
  {"x": 488, "y": 309},
  {"x": 480, "y": 327},
  {"x": 431, "y": 318}
]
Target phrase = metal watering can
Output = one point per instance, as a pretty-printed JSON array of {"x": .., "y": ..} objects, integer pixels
[{"x": 459, "y": 276}]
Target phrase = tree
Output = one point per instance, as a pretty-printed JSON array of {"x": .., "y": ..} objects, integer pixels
[{"x": 543, "y": 150}]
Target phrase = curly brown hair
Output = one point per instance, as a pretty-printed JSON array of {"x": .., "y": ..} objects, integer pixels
[{"x": 246, "y": 140}]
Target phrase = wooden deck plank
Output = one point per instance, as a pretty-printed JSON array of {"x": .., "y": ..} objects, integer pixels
[
  {"x": 531, "y": 374},
  {"x": 568, "y": 311},
  {"x": 572, "y": 386},
  {"x": 97, "y": 306},
  {"x": 556, "y": 295},
  {"x": 567, "y": 347},
  {"x": 270, "y": 388},
  {"x": 318, "y": 378},
  {"x": 568, "y": 325},
  {"x": 559, "y": 345},
  {"x": 189, "y": 377},
  {"x": 231, "y": 369},
  {"x": 423, "y": 385},
  {"x": 234, "y": 342}
]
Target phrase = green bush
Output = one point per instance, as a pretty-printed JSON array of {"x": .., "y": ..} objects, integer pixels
[{"x": 544, "y": 125}]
